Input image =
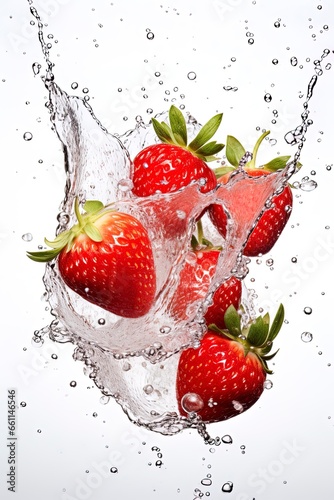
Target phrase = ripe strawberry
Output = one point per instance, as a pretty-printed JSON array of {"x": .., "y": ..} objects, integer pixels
[
  {"x": 195, "y": 280},
  {"x": 272, "y": 222},
  {"x": 107, "y": 259},
  {"x": 167, "y": 167},
  {"x": 225, "y": 375}
]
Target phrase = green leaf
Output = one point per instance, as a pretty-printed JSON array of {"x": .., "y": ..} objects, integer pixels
[
  {"x": 211, "y": 148},
  {"x": 232, "y": 321},
  {"x": 162, "y": 130},
  {"x": 43, "y": 256},
  {"x": 234, "y": 150},
  {"x": 92, "y": 232},
  {"x": 221, "y": 171},
  {"x": 93, "y": 206},
  {"x": 213, "y": 328},
  {"x": 277, "y": 323},
  {"x": 207, "y": 131},
  {"x": 276, "y": 164},
  {"x": 60, "y": 241},
  {"x": 258, "y": 332},
  {"x": 178, "y": 126}
]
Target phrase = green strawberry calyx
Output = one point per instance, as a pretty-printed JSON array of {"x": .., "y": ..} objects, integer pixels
[
  {"x": 176, "y": 133},
  {"x": 94, "y": 209},
  {"x": 235, "y": 151},
  {"x": 256, "y": 337}
]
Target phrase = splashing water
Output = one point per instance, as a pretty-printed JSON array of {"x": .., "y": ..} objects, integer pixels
[{"x": 135, "y": 360}]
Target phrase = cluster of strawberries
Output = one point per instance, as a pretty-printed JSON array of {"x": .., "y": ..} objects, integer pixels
[{"x": 107, "y": 258}]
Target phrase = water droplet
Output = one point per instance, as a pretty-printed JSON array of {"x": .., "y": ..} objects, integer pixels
[
  {"x": 250, "y": 41},
  {"x": 104, "y": 399},
  {"x": 27, "y": 237},
  {"x": 277, "y": 24},
  {"x": 192, "y": 402},
  {"x": 227, "y": 487},
  {"x": 23, "y": 404},
  {"x": 307, "y": 310},
  {"x": 275, "y": 61},
  {"x": 269, "y": 262},
  {"x": 191, "y": 75},
  {"x": 267, "y": 97},
  {"x": 306, "y": 337},
  {"x": 73, "y": 383},
  {"x": 27, "y": 136},
  {"x": 227, "y": 439},
  {"x": 36, "y": 67},
  {"x": 39, "y": 431},
  {"x": 114, "y": 470},
  {"x": 148, "y": 389},
  {"x": 268, "y": 384},
  {"x": 293, "y": 61},
  {"x": 126, "y": 367},
  {"x": 94, "y": 414},
  {"x": 206, "y": 481},
  {"x": 308, "y": 185},
  {"x": 54, "y": 356}
]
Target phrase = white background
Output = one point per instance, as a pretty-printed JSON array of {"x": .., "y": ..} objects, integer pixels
[{"x": 288, "y": 435}]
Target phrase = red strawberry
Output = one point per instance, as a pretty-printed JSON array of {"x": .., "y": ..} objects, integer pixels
[
  {"x": 225, "y": 375},
  {"x": 195, "y": 280},
  {"x": 165, "y": 168},
  {"x": 272, "y": 222},
  {"x": 107, "y": 259}
]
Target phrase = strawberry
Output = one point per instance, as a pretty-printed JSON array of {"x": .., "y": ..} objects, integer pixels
[
  {"x": 107, "y": 259},
  {"x": 272, "y": 222},
  {"x": 225, "y": 375},
  {"x": 194, "y": 283},
  {"x": 167, "y": 167}
]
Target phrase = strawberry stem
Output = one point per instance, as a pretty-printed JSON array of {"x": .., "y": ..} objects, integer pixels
[{"x": 252, "y": 163}]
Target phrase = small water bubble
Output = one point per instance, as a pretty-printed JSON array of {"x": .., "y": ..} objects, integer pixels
[
  {"x": 267, "y": 97},
  {"x": 206, "y": 481},
  {"x": 269, "y": 262},
  {"x": 192, "y": 402},
  {"x": 85, "y": 90},
  {"x": 39, "y": 431},
  {"x": 227, "y": 439},
  {"x": 73, "y": 383},
  {"x": 104, "y": 399},
  {"x": 191, "y": 75},
  {"x": 150, "y": 35},
  {"x": 306, "y": 337},
  {"x": 27, "y": 237},
  {"x": 54, "y": 356},
  {"x": 274, "y": 61},
  {"x": 27, "y": 136},
  {"x": 227, "y": 487},
  {"x": 294, "y": 260},
  {"x": 114, "y": 470},
  {"x": 148, "y": 389},
  {"x": 36, "y": 67},
  {"x": 158, "y": 463},
  {"x": 307, "y": 310},
  {"x": 293, "y": 61},
  {"x": 268, "y": 384},
  {"x": 250, "y": 41},
  {"x": 23, "y": 404},
  {"x": 277, "y": 24}
]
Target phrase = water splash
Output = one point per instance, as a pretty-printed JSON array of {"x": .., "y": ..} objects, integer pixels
[{"x": 135, "y": 360}]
